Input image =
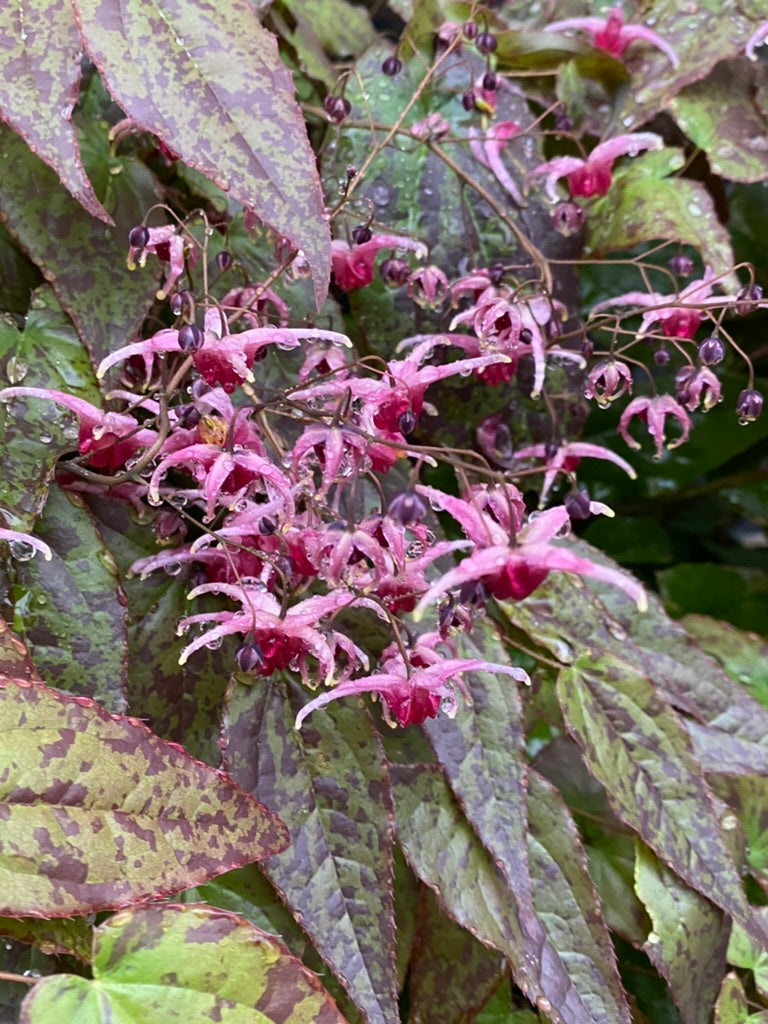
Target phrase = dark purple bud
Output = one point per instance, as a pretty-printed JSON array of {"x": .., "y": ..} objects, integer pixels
[
  {"x": 526, "y": 335},
  {"x": 267, "y": 526},
  {"x": 249, "y": 657},
  {"x": 747, "y": 299},
  {"x": 337, "y": 108},
  {"x": 567, "y": 219},
  {"x": 394, "y": 272},
  {"x": 138, "y": 237},
  {"x": 486, "y": 42},
  {"x": 189, "y": 417},
  {"x": 473, "y": 592},
  {"x": 392, "y": 66},
  {"x": 712, "y": 351},
  {"x": 407, "y": 508},
  {"x": 577, "y": 504},
  {"x": 182, "y": 303},
  {"x": 563, "y": 123},
  {"x": 496, "y": 273},
  {"x": 683, "y": 379},
  {"x": 661, "y": 356},
  {"x": 749, "y": 405},
  {"x": 351, "y": 171},
  {"x": 190, "y": 338},
  {"x": 468, "y": 100},
  {"x": 469, "y": 30},
  {"x": 587, "y": 348},
  {"x": 406, "y": 422},
  {"x": 490, "y": 81},
  {"x": 361, "y": 234},
  {"x": 681, "y": 265},
  {"x": 223, "y": 260}
]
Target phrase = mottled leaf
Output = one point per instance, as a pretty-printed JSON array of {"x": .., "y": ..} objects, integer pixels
[
  {"x": 689, "y": 938},
  {"x": 211, "y": 86},
  {"x": 69, "y": 610},
  {"x": 752, "y": 956},
  {"x": 643, "y": 204},
  {"x": 83, "y": 258},
  {"x": 38, "y": 89},
  {"x": 179, "y": 702},
  {"x": 748, "y": 797},
  {"x": 732, "y": 1006},
  {"x": 718, "y": 115},
  {"x": 635, "y": 745},
  {"x": 183, "y": 963},
  {"x": 14, "y": 657},
  {"x": 451, "y": 974},
  {"x": 331, "y": 785},
  {"x": 64, "y": 935},
  {"x": 744, "y": 656},
  {"x": 447, "y": 856},
  {"x": 99, "y": 813},
  {"x": 34, "y": 433},
  {"x": 567, "y": 905}
]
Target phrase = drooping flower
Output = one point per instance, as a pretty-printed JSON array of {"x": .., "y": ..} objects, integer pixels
[
  {"x": 612, "y": 35},
  {"x": 608, "y": 380},
  {"x": 166, "y": 243},
  {"x": 564, "y": 458},
  {"x": 592, "y": 177},
  {"x": 653, "y": 412},
  {"x": 352, "y": 265},
  {"x": 486, "y": 147}
]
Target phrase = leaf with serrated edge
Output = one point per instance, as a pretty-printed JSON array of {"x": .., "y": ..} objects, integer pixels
[
  {"x": 445, "y": 853},
  {"x": 189, "y": 963},
  {"x": 637, "y": 748},
  {"x": 38, "y": 88},
  {"x": 689, "y": 938},
  {"x": 331, "y": 786},
  {"x": 210, "y": 84},
  {"x": 98, "y": 813},
  {"x": 567, "y": 905}
]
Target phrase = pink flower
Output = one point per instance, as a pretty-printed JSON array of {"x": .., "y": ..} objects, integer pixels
[
  {"x": 694, "y": 387},
  {"x": 428, "y": 287},
  {"x": 22, "y": 541},
  {"x": 756, "y": 39},
  {"x": 486, "y": 148},
  {"x": 612, "y": 35},
  {"x": 592, "y": 177},
  {"x": 607, "y": 381},
  {"x": 566, "y": 457},
  {"x": 433, "y": 126},
  {"x": 414, "y": 691},
  {"x": 352, "y": 265},
  {"x": 653, "y": 412},
  {"x": 167, "y": 244}
]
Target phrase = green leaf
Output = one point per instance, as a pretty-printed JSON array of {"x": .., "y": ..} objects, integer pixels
[
  {"x": 744, "y": 952},
  {"x": 744, "y": 656},
  {"x": 69, "y": 611},
  {"x": 635, "y": 745},
  {"x": 82, "y": 258},
  {"x": 38, "y": 89},
  {"x": 330, "y": 783},
  {"x": 732, "y": 1006},
  {"x": 734, "y": 593},
  {"x": 643, "y": 204},
  {"x": 749, "y": 799},
  {"x": 99, "y": 813},
  {"x": 34, "y": 433},
  {"x": 208, "y": 81},
  {"x": 719, "y": 115},
  {"x": 689, "y": 938},
  {"x": 451, "y": 974},
  {"x": 67, "y": 935},
  {"x": 611, "y": 860},
  {"x": 14, "y": 657},
  {"x": 183, "y": 963},
  {"x": 445, "y": 853}
]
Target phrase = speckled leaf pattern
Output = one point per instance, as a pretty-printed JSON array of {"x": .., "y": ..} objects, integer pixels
[
  {"x": 189, "y": 963},
  {"x": 69, "y": 611},
  {"x": 210, "y": 84},
  {"x": 689, "y": 938},
  {"x": 637, "y": 748},
  {"x": 34, "y": 433},
  {"x": 748, "y": 796},
  {"x": 719, "y": 116},
  {"x": 98, "y": 813},
  {"x": 732, "y": 1006},
  {"x": 83, "y": 258},
  {"x": 330, "y": 783},
  {"x": 14, "y": 657},
  {"x": 447, "y": 856},
  {"x": 744, "y": 656},
  {"x": 71, "y": 935},
  {"x": 38, "y": 88},
  {"x": 567, "y": 905},
  {"x": 451, "y": 974},
  {"x": 643, "y": 205}
]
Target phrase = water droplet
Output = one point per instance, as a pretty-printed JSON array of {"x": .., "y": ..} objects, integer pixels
[
  {"x": 41, "y": 600},
  {"x": 32, "y": 974},
  {"x": 172, "y": 568},
  {"x": 45, "y": 438},
  {"x": 729, "y": 822},
  {"x": 178, "y": 500},
  {"x": 21, "y": 551},
  {"x": 564, "y": 652},
  {"x": 214, "y": 643},
  {"x": 616, "y": 630},
  {"x": 16, "y": 370},
  {"x": 653, "y": 939},
  {"x": 381, "y": 194}
]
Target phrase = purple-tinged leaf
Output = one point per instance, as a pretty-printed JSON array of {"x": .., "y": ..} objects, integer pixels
[
  {"x": 98, "y": 813},
  {"x": 638, "y": 749},
  {"x": 445, "y": 853},
  {"x": 82, "y": 258},
  {"x": 69, "y": 610},
  {"x": 689, "y": 938},
  {"x": 208, "y": 81},
  {"x": 14, "y": 657},
  {"x": 189, "y": 963},
  {"x": 744, "y": 656},
  {"x": 331, "y": 785},
  {"x": 71, "y": 936},
  {"x": 566, "y": 903},
  {"x": 38, "y": 89},
  {"x": 451, "y": 974}
]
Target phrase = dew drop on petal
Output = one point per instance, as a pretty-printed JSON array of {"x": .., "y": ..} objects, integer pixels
[{"x": 21, "y": 551}]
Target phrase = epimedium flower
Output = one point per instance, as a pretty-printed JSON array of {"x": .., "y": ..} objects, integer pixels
[
  {"x": 352, "y": 265},
  {"x": 592, "y": 177},
  {"x": 653, "y": 412},
  {"x": 564, "y": 458},
  {"x": 695, "y": 387},
  {"x": 24, "y": 544},
  {"x": 608, "y": 380},
  {"x": 613, "y": 35},
  {"x": 486, "y": 147},
  {"x": 167, "y": 243},
  {"x": 412, "y": 691}
]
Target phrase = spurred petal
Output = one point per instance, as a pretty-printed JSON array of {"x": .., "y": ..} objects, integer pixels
[{"x": 17, "y": 537}]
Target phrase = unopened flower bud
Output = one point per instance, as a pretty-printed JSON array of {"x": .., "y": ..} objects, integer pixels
[
  {"x": 392, "y": 66},
  {"x": 249, "y": 657},
  {"x": 267, "y": 526},
  {"x": 661, "y": 356},
  {"x": 138, "y": 237},
  {"x": 681, "y": 265},
  {"x": 407, "y": 508},
  {"x": 490, "y": 81},
  {"x": 748, "y": 299},
  {"x": 469, "y": 30},
  {"x": 406, "y": 422},
  {"x": 361, "y": 234},
  {"x": 577, "y": 504},
  {"x": 749, "y": 405},
  {"x": 182, "y": 304},
  {"x": 337, "y": 108},
  {"x": 468, "y": 99},
  {"x": 190, "y": 338},
  {"x": 568, "y": 219},
  {"x": 486, "y": 42},
  {"x": 223, "y": 260},
  {"x": 712, "y": 351},
  {"x": 394, "y": 272}
]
